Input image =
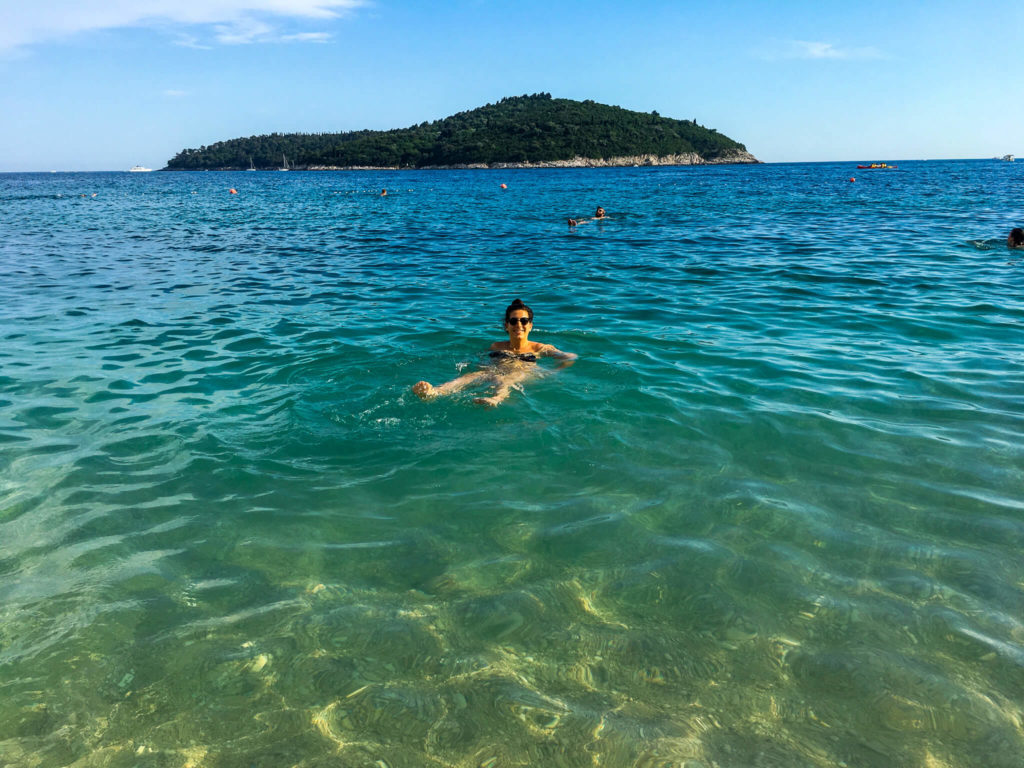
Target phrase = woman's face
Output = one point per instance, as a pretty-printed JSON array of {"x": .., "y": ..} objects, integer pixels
[{"x": 515, "y": 324}]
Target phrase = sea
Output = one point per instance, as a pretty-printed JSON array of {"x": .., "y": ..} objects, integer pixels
[{"x": 773, "y": 514}]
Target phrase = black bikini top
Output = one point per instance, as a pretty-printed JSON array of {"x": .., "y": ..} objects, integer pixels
[{"x": 526, "y": 357}]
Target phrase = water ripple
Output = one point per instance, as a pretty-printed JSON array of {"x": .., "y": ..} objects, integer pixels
[{"x": 771, "y": 516}]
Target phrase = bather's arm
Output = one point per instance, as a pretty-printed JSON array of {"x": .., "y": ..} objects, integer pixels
[{"x": 567, "y": 358}]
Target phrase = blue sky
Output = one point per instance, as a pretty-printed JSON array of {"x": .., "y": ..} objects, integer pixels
[{"x": 106, "y": 84}]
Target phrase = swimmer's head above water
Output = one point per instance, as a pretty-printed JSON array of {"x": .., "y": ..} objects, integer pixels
[
  {"x": 599, "y": 214},
  {"x": 516, "y": 313},
  {"x": 1016, "y": 238}
]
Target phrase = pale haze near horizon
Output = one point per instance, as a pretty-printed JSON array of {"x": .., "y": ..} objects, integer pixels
[{"x": 93, "y": 85}]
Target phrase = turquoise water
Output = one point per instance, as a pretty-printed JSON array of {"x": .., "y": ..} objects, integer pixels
[{"x": 772, "y": 516}]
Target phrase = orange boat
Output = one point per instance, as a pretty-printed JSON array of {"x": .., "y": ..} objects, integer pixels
[{"x": 878, "y": 167}]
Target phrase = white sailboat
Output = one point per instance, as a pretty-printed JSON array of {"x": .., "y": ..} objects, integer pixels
[
  {"x": 251, "y": 166},
  {"x": 285, "y": 159}
]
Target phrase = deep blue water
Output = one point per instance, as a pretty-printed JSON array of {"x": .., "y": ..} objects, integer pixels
[{"x": 772, "y": 516}]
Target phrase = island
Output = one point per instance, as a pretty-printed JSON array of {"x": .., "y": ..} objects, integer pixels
[{"x": 530, "y": 131}]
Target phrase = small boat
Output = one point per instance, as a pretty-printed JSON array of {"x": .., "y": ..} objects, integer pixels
[
  {"x": 285, "y": 159},
  {"x": 251, "y": 166},
  {"x": 878, "y": 167},
  {"x": 1008, "y": 158},
  {"x": 139, "y": 169}
]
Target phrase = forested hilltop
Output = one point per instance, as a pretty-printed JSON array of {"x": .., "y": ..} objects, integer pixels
[{"x": 516, "y": 131}]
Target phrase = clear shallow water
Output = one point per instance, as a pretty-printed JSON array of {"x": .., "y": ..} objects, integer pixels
[{"x": 772, "y": 516}]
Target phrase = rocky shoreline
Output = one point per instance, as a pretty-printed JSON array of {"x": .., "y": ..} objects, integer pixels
[
  {"x": 735, "y": 157},
  {"x": 630, "y": 161}
]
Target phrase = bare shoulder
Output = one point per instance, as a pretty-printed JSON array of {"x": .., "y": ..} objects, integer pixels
[{"x": 498, "y": 345}]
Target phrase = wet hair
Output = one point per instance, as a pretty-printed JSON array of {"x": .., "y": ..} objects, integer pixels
[
  {"x": 1016, "y": 239},
  {"x": 517, "y": 304}
]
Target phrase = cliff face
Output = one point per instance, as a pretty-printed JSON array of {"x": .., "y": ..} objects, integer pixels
[
  {"x": 689, "y": 158},
  {"x": 735, "y": 156}
]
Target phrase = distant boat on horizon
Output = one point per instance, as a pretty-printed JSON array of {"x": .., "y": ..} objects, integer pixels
[
  {"x": 251, "y": 166},
  {"x": 285, "y": 159},
  {"x": 139, "y": 169},
  {"x": 1008, "y": 158}
]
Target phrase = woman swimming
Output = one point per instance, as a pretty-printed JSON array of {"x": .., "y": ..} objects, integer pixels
[
  {"x": 598, "y": 214},
  {"x": 515, "y": 360},
  {"x": 1016, "y": 238}
]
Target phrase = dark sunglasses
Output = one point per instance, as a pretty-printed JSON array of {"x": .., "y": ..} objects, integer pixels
[{"x": 524, "y": 321}]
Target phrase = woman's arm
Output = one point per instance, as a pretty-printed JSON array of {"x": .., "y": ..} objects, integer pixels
[{"x": 549, "y": 350}]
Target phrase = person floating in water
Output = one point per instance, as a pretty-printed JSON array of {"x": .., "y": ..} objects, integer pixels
[
  {"x": 599, "y": 214},
  {"x": 1016, "y": 238},
  {"x": 513, "y": 361}
]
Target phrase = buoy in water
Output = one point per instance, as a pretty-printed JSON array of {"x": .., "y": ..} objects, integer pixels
[
  {"x": 233, "y": 191},
  {"x": 504, "y": 186},
  {"x": 852, "y": 179}
]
